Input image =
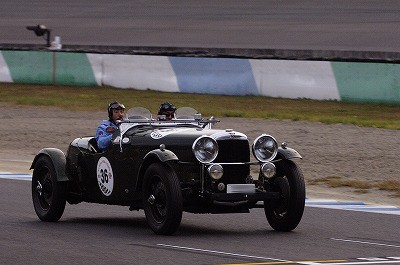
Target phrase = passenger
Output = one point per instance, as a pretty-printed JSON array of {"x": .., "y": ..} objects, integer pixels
[
  {"x": 116, "y": 112},
  {"x": 166, "y": 112}
]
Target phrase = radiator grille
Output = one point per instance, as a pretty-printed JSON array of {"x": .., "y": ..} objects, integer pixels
[{"x": 234, "y": 151}]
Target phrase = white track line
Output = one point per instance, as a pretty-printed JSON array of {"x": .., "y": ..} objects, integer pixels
[
  {"x": 365, "y": 242},
  {"x": 219, "y": 252}
]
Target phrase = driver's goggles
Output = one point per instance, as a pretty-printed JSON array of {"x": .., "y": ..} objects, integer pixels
[{"x": 117, "y": 106}]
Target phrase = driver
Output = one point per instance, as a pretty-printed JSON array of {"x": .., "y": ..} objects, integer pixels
[
  {"x": 116, "y": 112},
  {"x": 166, "y": 112}
]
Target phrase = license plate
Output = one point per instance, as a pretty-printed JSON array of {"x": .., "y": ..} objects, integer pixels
[{"x": 240, "y": 188}]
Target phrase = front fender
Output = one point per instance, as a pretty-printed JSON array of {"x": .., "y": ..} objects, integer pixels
[
  {"x": 287, "y": 153},
  {"x": 59, "y": 161},
  {"x": 162, "y": 155},
  {"x": 154, "y": 156}
]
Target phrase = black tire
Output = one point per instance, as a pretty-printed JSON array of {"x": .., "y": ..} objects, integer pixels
[
  {"x": 162, "y": 199},
  {"x": 48, "y": 195},
  {"x": 285, "y": 214}
]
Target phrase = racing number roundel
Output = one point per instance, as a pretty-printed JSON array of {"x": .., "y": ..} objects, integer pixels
[{"x": 105, "y": 177}]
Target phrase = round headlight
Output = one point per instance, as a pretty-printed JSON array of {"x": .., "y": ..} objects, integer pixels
[
  {"x": 205, "y": 149},
  {"x": 216, "y": 171},
  {"x": 268, "y": 170},
  {"x": 265, "y": 148}
]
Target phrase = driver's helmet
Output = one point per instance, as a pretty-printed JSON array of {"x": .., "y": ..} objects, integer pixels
[
  {"x": 114, "y": 105},
  {"x": 167, "y": 110}
]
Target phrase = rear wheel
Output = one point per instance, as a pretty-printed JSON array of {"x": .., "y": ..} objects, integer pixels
[
  {"x": 285, "y": 214},
  {"x": 48, "y": 194},
  {"x": 162, "y": 199}
]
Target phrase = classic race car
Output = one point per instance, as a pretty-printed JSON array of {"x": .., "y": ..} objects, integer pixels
[{"x": 167, "y": 167}]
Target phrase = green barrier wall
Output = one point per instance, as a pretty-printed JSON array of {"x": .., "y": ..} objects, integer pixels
[
  {"x": 49, "y": 68},
  {"x": 29, "y": 67},
  {"x": 368, "y": 82},
  {"x": 347, "y": 81}
]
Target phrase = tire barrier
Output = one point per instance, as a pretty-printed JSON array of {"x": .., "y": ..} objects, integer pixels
[{"x": 320, "y": 80}]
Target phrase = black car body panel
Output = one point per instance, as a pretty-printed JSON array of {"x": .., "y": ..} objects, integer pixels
[{"x": 117, "y": 175}]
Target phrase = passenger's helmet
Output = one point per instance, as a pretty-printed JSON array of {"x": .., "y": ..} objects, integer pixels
[
  {"x": 114, "y": 105},
  {"x": 166, "y": 107}
]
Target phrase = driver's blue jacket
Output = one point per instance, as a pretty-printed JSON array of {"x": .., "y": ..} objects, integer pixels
[{"x": 104, "y": 133}]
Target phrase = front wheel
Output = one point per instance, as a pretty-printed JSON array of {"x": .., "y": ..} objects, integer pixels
[
  {"x": 48, "y": 194},
  {"x": 162, "y": 199},
  {"x": 286, "y": 213}
]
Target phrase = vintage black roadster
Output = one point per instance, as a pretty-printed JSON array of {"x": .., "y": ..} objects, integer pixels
[{"x": 167, "y": 167}]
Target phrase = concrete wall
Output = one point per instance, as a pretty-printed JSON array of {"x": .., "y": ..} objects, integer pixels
[{"x": 320, "y": 80}]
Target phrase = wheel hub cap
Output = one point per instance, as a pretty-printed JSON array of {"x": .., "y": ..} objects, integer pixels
[
  {"x": 39, "y": 188},
  {"x": 151, "y": 199}
]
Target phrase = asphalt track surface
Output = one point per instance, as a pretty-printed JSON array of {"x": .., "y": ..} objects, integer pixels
[
  {"x": 91, "y": 233},
  {"x": 345, "y": 25},
  {"x": 99, "y": 234}
]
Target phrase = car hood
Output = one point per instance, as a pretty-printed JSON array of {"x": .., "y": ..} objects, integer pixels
[
  {"x": 180, "y": 139},
  {"x": 194, "y": 133},
  {"x": 177, "y": 136}
]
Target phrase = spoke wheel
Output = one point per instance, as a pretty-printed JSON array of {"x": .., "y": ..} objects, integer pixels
[
  {"x": 286, "y": 213},
  {"x": 162, "y": 199},
  {"x": 48, "y": 195}
]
